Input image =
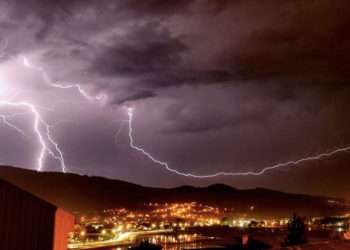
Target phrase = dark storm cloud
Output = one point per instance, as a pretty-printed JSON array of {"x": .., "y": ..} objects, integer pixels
[
  {"x": 166, "y": 8},
  {"x": 315, "y": 32},
  {"x": 153, "y": 57},
  {"x": 156, "y": 7},
  {"x": 304, "y": 41},
  {"x": 294, "y": 42},
  {"x": 297, "y": 42},
  {"x": 61, "y": 11},
  {"x": 144, "y": 51},
  {"x": 241, "y": 108},
  {"x": 263, "y": 81},
  {"x": 148, "y": 53},
  {"x": 140, "y": 95}
]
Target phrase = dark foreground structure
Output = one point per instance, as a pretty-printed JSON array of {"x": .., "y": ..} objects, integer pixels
[{"x": 29, "y": 223}]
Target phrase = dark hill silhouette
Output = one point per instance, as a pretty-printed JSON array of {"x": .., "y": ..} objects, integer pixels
[{"x": 82, "y": 193}]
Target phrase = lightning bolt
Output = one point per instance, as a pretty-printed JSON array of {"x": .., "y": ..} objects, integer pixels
[
  {"x": 117, "y": 133},
  {"x": 60, "y": 157},
  {"x": 46, "y": 141},
  {"x": 48, "y": 81},
  {"x": 45, "y": 138},
  {"x": 5, "y": 120},
  {"x": 130, "y": 113},
  {"x": 38, "y": 123}
]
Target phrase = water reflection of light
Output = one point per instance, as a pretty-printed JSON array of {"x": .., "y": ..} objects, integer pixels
[
  {"x": 166, "y": 239},
  {"x": 176, "y": 241}
]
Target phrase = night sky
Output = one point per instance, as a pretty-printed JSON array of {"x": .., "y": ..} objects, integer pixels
[{"x": 214, "y": 85}]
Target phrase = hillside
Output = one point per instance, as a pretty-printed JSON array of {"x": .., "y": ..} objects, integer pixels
[{"x": 82, "y": 193}]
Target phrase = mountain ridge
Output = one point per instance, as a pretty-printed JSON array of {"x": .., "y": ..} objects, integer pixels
[{"x": 81, "y": 193}]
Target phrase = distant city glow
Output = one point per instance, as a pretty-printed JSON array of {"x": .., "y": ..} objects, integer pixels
[{"x": 179, "y": 222}]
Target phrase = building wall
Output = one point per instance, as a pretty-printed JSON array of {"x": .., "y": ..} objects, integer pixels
[
  {"x": 29, "y": 223},
  {"x": 64, "y": 224}
]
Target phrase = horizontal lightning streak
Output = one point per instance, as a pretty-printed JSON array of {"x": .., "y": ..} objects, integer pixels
[
  {"x": 247, "y": 173},
  {"x": 44, "y": 148}
]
